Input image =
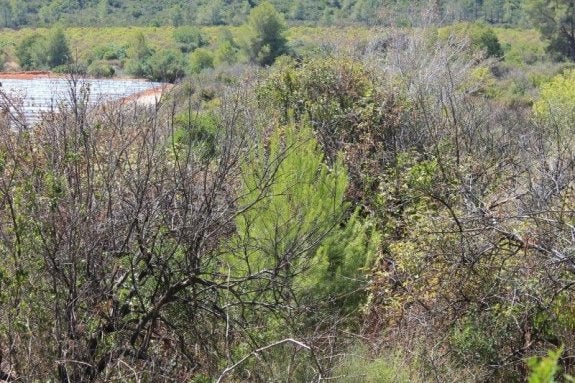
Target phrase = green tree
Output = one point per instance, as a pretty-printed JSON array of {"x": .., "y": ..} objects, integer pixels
[
  {"x": 57, "y": 49},
  {"x": 556, "y": 21},
  {"x": 481, "y": 37},
  {"x": 494, "y": 11},
  {"x": 30, "y": 52},
  {"x": 36, "y": 52},
  {"x": 265, "y": 34},
  {"x": 140, "y": 50},
  {"x": 294, "y": 207},
  {"x": 544, "y": 370},
  {"x": 189, "y": 38},
  {"x": 139, "y": 53},
  {"x": 201, "y": 59},
  {"x": 513, "y": 11},
  {"x": 6, "y": 14},
  {"x": 556, "y": 103},
  {"x": 227, "y": 49},
  {"x": 226, "y": 53},
  {"x": 167, "y": 65},
  {"x": 298, "y": 10},
  {"x": 176, "y": 16},
  {"x": 211, "y": 13},
  {"x": 339, "y": 274},
  {"x": 103, "y": 10},
  {"x": 100, "y": 68},
  {"x": 365, "y": 11},
  {"x": 19, "y": 12}
]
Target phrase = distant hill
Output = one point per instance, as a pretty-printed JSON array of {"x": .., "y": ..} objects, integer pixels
[
  {"x": 19, "y": 13},
  {"x": 41, "y": 13}
]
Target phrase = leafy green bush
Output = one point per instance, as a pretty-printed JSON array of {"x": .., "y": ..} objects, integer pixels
[
  {"x": 79, "y": 69},
  {"x": 110, "y": 52},
  {"x": 136, "y": 68},
  {"x": 196, "y": 132},
  {"x": 139, "y": 54},
  {"x": 38, "y": 52},
  {"x": 556, "y": 103},
  {"x": 139, "y": 48},
  {"x": 201, "y": 59},
  {"x": 265, "y": 38},
  {"x": 521, "y": 46},
  {"x": 544, "y": 370},
  {"x": 472, "y": 343},
  {"x": 227, "y": 50},
  {"x": 100, "y": 69},
  {"x": 57, "y": 49},
  {"x": 226, "y": 54},
  {"x": 295, "y": 209},
  {"x": 481, "y": 37},
  {"x": 338, "y": 95},
  {"x": 167, "y": 65},
  {"x": 211, "y": 13},
  {"x": 30, "y": 52},
  {"x": 338, "y": 277},
  {"x": 189, "y": 38}
]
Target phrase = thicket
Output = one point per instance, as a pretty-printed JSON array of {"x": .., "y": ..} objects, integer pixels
[
  {"x": 394, "y": 206},
  {"x": 380, "y": 211}
]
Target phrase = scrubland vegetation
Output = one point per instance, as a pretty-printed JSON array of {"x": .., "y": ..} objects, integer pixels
[{"x": 360, "y": 201}]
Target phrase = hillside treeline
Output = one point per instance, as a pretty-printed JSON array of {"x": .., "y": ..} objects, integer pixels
[
  {"x": 40, "y": 13},
  {"x": 169, "y": 53},
  {"x": 398, "y": 208}
]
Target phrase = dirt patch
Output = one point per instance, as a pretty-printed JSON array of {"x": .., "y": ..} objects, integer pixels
[{"x": 28, "y": 75}]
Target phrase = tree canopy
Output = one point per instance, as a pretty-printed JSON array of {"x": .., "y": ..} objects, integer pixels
[
  {"x": 556, "y": 21},
  {"x": 265, "y": 38}
]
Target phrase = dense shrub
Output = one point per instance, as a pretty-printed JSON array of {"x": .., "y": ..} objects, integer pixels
[
  {"x": 264, "y": 40},
  {"x": 482, "y": 37},
  {"x": 166, "y": 66},
  {"x": 30, "y": 52},
  {"x": 100, "y": 69},
  {"x": 189, "y": 38},
  {"x": 201, "y": 59}
]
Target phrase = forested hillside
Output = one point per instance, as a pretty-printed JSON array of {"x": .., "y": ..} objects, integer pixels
[
  {"x": 338, "y": 191},
  {"x": 20, "y": 13}
]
